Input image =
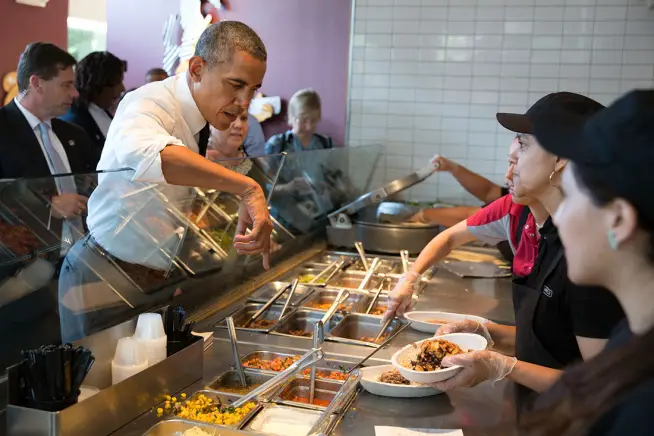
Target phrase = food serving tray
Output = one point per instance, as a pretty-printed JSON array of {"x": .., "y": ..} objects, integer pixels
[
  {"x": 304, "y": 320},
  {"x": 243, "y": 314},
  {"x": 322, "y": 300},
  {"x": 354, "y": 327},
  {"x": 267, "y": 291}
]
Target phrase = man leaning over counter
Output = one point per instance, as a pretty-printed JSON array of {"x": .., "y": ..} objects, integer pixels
[{"x": 159, "y": 134}]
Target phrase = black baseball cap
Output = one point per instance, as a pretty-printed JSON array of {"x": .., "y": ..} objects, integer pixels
[
  {"x": 568, "y": 102},
  {"x": 616, "y": 145}
]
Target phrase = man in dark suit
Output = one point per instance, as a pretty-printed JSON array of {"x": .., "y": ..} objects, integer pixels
[
  {"x": 33, "y": 142},
  {"x": 99, "y": 81}
]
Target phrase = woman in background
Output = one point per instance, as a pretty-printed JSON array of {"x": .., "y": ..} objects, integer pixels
[
  {"x": 606, "y": 224},
  {"x": 226, "y": 146},
  {"x": 304, "y": 114},
  {"x": 99, "y": 81}
]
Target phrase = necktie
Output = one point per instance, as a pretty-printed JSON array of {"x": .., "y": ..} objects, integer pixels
[
  {"x": 65, "y": 185},
  {"x": 203, "y": 140}
]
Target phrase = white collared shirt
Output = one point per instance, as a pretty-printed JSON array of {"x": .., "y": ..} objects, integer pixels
[
  {"x": 56, "y": 143},
  {"x": 127, "y": 212},
  {"x": 101, "y": 118}
]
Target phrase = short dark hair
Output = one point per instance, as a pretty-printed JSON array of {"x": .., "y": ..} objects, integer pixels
[
  {"x": 156, "y": 72},
  {"x": 95, "y": 72},
  {"x": 41, "y": 59},
  {"x": 219, "y": 41}
]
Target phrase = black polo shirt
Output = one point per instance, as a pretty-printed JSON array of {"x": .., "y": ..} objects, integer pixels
[
  {"x": 633, "y": 414},
  {"x": 566, "y": 310}
]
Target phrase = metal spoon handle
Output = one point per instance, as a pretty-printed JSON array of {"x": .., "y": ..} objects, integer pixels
[
  {"x": 329, "y": 267},
  {"x": 404, "y": 254},
  {"x": 321, "y": 427},
  {"x": 318, "y": 338},
  {"x": 382, "y": 345},
  {"x": 237, "y": 360},
  {"x": 340, "y": 298},
  {"x": 359, "y": 246},
  {"x": 371, "y": 271},
  {"x": 267, "y": 305},
  {"x": 377, "y": 294},
  {"x": 288, "y": 300},
  {"x": 383, "y": 329}
]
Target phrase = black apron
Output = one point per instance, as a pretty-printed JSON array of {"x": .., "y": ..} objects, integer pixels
[{"x": 528, "y": 346}]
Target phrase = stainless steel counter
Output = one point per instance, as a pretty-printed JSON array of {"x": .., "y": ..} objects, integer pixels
[{"x": 484, "y": 410}]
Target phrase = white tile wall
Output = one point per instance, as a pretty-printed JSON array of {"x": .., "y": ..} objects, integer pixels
[{"x": 428, "y": 76}]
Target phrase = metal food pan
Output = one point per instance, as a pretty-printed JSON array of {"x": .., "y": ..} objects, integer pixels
[
  {"x": 228, "y": 382},
  {"x": 300, "y": 387},
  {"x": 243, "y": 314},
  {"x": 177, "y": 427},
  {"x": 348, "y": 280},
  {"x": 378, "y": 309},
  {"x": 268, "y": 356},
  {"x": 255, "y": 425},
  {"x": 305, "y": 275},
  {"x": 267, "y": 291},
  {"x": 356, "y": 302},
  {"x": 304, "y": 320},
  {"x": 225, "y": 399},
  {"x": 326, "y": 367},
  {"x": 354, "y": 327}
]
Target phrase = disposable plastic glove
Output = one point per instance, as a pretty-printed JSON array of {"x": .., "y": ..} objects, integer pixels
[
  {"x": 253, "y": 213},
  {"x": 467, "y": 326},
  {"x": 400, "y": 298},
  {"x": 478, "y": 366}
]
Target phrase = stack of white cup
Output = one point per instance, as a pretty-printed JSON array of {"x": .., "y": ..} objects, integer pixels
[
  {"x": 130, "y": 359},
  {"x": 151, "y": 336}
]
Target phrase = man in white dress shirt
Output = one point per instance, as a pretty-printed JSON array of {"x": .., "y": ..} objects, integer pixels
[{"x": 155, "y": 135}]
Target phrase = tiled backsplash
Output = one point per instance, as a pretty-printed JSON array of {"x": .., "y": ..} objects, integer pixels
[{"x": 428, "y": 76}]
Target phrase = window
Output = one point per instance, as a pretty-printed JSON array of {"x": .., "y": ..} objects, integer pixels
[{"x": 86, "y": 36}]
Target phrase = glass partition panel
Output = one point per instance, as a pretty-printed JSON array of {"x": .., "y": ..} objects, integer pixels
[{"x": 68, "y": 270}]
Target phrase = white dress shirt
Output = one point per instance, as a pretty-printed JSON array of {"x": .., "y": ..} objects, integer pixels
[
  {"x": 101, "y": 118},
  {"x": 128, "y": 211},
  {"x": 56, "y": 143}
]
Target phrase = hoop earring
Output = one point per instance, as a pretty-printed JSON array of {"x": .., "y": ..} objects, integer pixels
[{"x": 552, "y": 184}]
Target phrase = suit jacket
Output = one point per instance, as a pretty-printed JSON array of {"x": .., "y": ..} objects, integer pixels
[
  {"x": 80, "y": 115},
  {"x": 21, "y": 154}
]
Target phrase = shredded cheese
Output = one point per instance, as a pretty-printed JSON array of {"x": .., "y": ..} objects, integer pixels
[{"x": 197, "y": 431}]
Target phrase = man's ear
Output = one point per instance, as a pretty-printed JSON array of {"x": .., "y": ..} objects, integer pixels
[{"x": 196, "y": 68}]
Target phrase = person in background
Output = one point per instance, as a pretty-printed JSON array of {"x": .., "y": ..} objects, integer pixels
[
  {"x": 225, "y": 147},
  {"x": 99, "y": 81},
  {"x": 557, "y": 322},
  {"x": 255, "y": 141},
  {"x": 33, "y": 141},
  {"x": 155, "y": 75},
  {"x": 304, "y": 113},
  {"x": 479, "y": 186},
  {"x": 607, "y": 211}
]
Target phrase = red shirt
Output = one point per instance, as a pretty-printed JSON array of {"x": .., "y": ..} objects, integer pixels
[{"x": 499, "y": 222}]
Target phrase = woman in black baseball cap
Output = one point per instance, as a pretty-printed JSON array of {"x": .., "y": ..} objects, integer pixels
[
  {"x": 606, "y": 223},
  {"x": 557, "y": 322}
]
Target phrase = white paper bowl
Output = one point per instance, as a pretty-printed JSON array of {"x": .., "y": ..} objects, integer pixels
[
  {"x": 370, "y": 382},
  {"x": 419, "y": 319},
  {"x": 466, "y": 341}
]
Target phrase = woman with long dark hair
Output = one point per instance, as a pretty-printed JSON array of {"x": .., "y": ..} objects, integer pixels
[{"x": 606, "y": 223}]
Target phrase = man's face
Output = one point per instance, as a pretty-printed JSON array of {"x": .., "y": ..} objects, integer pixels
[
  {"x": 57, "y": 94},
  {"x": 223, "y": 92}
]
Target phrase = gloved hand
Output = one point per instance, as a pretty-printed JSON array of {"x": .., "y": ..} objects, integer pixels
[
  {"x": 253, "y": 212},
  {"x": 443, "y": 164},
  {"x": 400, "y": 298},
  {"x": 467, "y": 326},
  {"x": 478, "y": 366}
]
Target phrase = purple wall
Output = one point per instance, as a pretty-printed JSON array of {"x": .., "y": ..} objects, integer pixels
[
  {"x": 135, "y": 33},
  {"x": 307, "y": 42},
  {"x": 308, "y": 46}
]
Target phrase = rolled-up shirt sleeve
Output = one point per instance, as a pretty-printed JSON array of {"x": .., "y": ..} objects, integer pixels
[{"x": 141, "y": 135}]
